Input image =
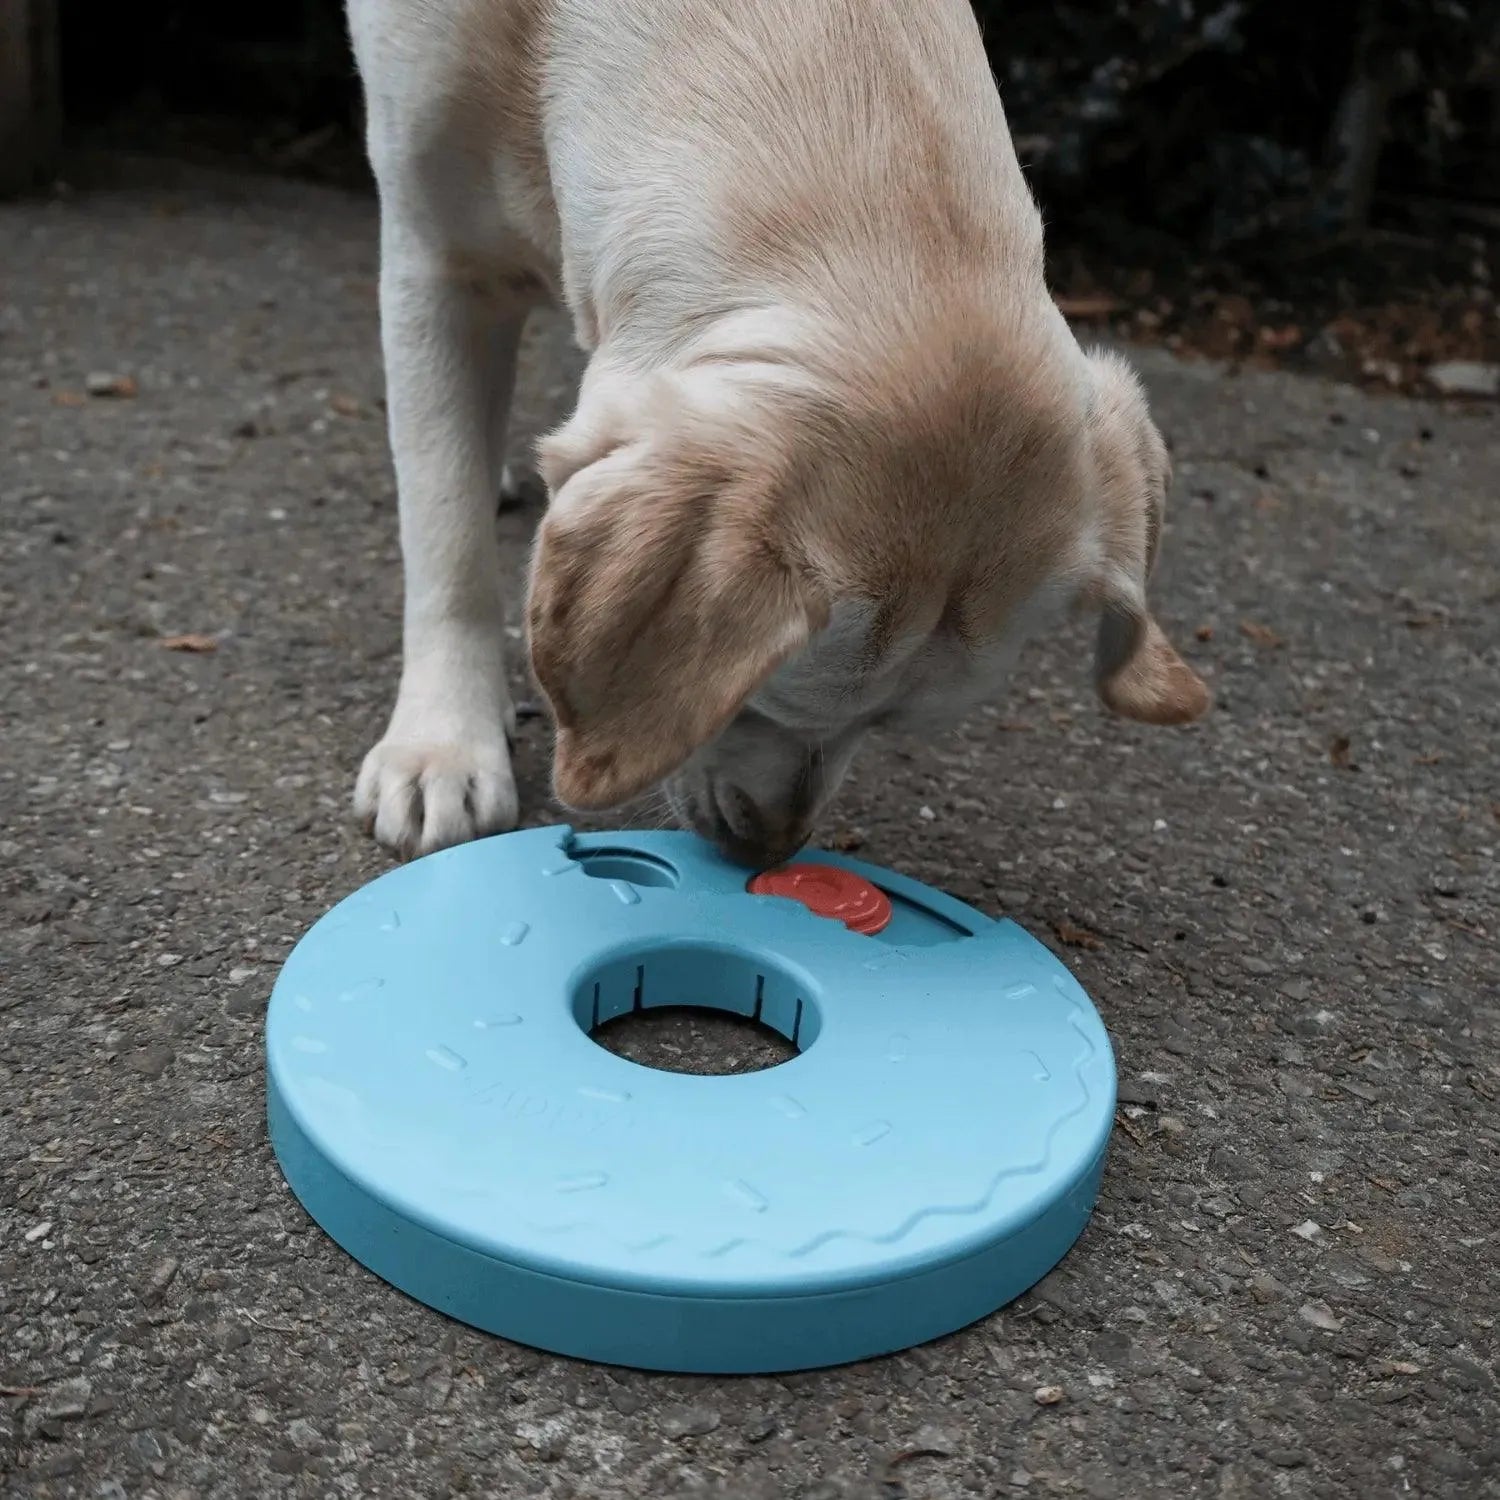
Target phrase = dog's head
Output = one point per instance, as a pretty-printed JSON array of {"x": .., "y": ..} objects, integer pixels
[{"x": 750, "y": 562}]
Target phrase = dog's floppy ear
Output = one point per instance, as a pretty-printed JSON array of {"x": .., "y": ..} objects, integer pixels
[
  {"x": 664, "y": 590},
  {"x": 1138, "y": 671}
]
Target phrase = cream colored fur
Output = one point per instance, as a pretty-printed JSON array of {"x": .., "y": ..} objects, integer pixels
[{"x": 835, "y": 452}]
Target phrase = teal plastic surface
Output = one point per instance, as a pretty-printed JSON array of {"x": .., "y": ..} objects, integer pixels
[{"x": 437, "y": 1104}]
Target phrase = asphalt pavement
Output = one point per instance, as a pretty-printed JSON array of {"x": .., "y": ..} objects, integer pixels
[{"x": 1288, "y": 916}]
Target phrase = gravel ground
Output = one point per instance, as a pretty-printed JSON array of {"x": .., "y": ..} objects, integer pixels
[{"x": 1287, "y": 915}]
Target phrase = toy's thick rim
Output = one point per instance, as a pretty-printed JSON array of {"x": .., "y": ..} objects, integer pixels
[
  {"x": 956, "y": 1255},
  {"x": 981, "y": 1290}
]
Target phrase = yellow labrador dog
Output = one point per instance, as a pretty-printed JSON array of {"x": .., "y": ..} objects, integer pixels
[{"x": 835, "y": 452}]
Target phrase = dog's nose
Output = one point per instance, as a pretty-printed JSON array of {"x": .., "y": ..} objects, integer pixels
[
  {"x": 758, "y": 855},
  {"x": 755, "y": 836}
]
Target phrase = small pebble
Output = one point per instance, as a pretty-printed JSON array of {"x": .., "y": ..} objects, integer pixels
[
  {"x": 1286, "y": 1458},
  {"x": 1047, "y": 1395},
  {"x": 1320, "y": 1315},
  {"x": 688, "y": 1421},
  {"x": 101, "y": 383},
  {"x": 935, "y": 1440},
  {"x": 68, "y": 1399},
  {"x": 304, "y": 1435},
  {"x": 149, "y": 1062},
  {"x": 1265, "y": 1288},
  {"x": 161, "y": 1278},
  {"x": 1464, "y": 377}
]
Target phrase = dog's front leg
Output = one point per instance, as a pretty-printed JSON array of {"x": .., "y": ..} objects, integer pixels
[{"x": 442, "y": 773}]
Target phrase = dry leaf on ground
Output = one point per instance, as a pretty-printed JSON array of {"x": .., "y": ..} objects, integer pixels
[
  {"x": 1075, "y": 936},
  {"x": 1262, "y": 635},
  {"x": 1289, "y": 336}
]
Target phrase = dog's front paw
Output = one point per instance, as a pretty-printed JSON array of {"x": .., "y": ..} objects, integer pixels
[{"x": 416, "y": 796}]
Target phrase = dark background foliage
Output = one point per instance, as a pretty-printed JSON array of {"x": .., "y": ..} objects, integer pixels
[
  {"x": 1306, "y": 156},
  {"x": 1225, "y": 121},
  {"x": 1218, "y": 121}
]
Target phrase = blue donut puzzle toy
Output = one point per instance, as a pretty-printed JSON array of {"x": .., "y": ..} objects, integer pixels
[{"x": 437, "y": 1103}]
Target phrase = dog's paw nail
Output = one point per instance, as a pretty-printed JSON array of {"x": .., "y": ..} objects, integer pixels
[{"x": 429, "y": 795}]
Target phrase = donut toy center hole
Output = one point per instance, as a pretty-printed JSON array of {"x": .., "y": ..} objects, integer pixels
[
  {"x": 685, "y": 1039},
  {"x": 698, "y": 1008}
]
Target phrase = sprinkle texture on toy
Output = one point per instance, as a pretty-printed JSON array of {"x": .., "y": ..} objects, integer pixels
[{"x": 439, "y": 1106}]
